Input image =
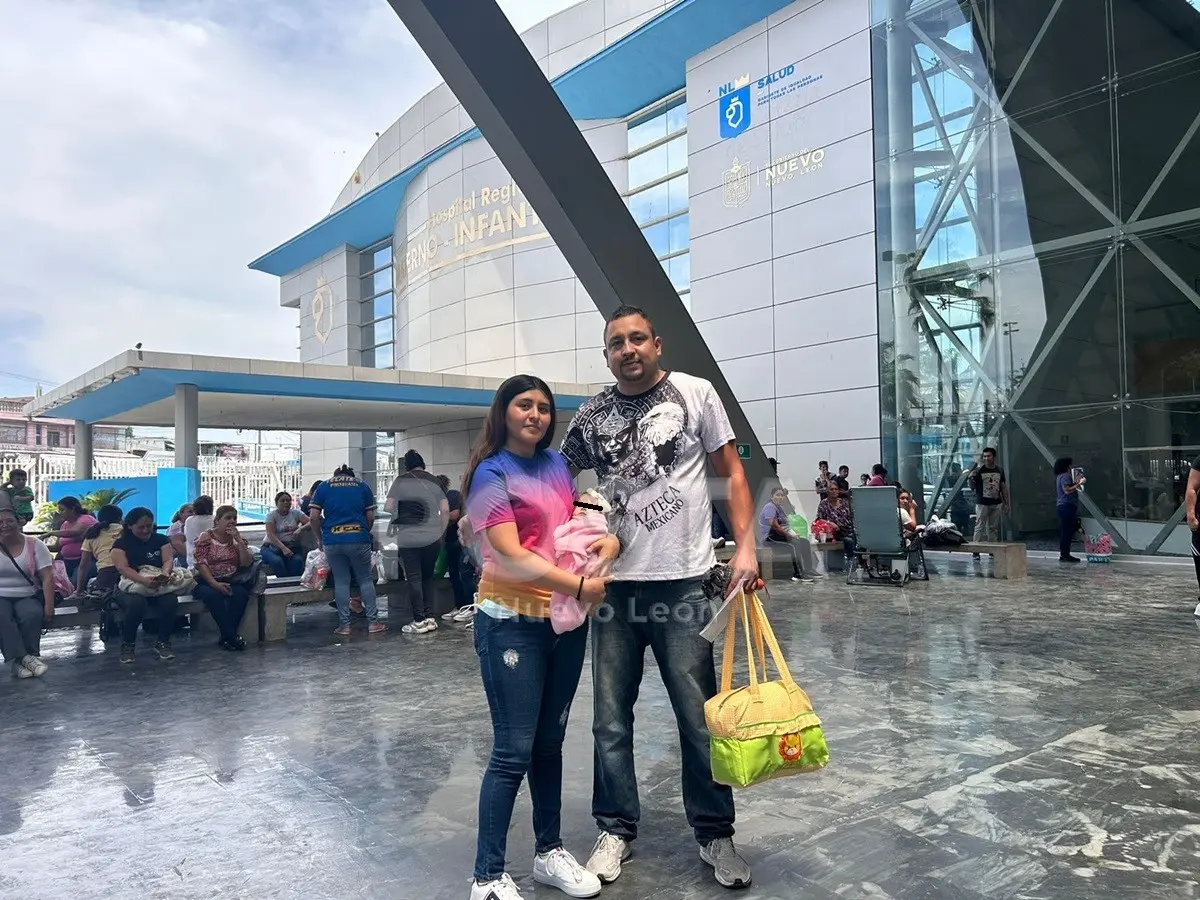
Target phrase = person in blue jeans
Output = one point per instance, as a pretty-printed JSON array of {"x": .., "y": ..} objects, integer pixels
[
  {"x": 517, "y": 492},
  {"x": 1066, "y": 494},
  {"x": 342, "y": 512},
  {"x": 649, "y": 438},
  {"x": 281, "y": 549}
]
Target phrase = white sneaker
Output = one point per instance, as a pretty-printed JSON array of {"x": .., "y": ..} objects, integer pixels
[
  {"x": 36, "y": 667},
  {"x": 559, "y": 869},
  {"x": 500, "y": 889},
  {"x": 608, "y": 854},
  {"x": 413, "y": 628},
  {"x": 1197, "y": 612},
  {"x": 450, "y": 616},
  {"x": 466, "y": 614},
  {"x": 428, "y": 625},
  {"x": 19, "y": 671}
]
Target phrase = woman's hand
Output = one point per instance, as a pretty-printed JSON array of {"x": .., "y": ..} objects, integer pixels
[
  {"x": 286, "y": 552},
  {"x": 224, "y": 588},
  {"x": 48, "y": 613},
  {"x": 593, "y": 591},
  {"x": 1081, "y": 480}
]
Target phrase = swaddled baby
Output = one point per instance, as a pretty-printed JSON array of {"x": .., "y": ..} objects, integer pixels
[{"x": 571, "y": 542}]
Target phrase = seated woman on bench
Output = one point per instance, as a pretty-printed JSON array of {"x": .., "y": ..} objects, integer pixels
[
  {"x": 776, "y": 532},
  {"x": 140, "y": 545},
  {"x": 836, "y": 510},
  {"x": 281, "y": 550},
  {"x": 221, "y": 553}
]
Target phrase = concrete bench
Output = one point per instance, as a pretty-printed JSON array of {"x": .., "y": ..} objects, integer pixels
[{"x": 1009, "y": 559}]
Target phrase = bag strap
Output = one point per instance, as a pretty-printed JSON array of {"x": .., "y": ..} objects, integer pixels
[
  {"x": 20, "y": 568},
  {"x": 767, "y": 633},
  {"x": 754, "y": 638}
]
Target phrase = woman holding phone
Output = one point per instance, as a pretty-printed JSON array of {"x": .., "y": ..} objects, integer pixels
[
  {"x": 517, "y": 491},
  {"x": 1066, "y": 490}
]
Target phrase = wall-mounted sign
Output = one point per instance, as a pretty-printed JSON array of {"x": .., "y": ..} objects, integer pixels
[
  {"x": 487, "y": 219},
  {"x": 738, "y": 180},
  {"x": 322, "y": 310},
  {"x": 737, "y": 98}
]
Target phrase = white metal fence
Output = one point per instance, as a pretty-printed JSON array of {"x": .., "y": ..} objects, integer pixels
[{"x": 225, "y": 480}]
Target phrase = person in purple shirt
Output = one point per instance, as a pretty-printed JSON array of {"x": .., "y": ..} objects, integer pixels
[{"x": 1066, "y": 495}]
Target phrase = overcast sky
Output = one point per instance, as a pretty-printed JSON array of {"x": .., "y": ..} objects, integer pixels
[{"x": 153, "y": 148}]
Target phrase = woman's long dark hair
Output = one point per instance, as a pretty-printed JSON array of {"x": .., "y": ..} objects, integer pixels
[
  {"x": 494, "y": 435},
  {"x": 108, "y": 515},
  {"x": 1062, "y": 465}
]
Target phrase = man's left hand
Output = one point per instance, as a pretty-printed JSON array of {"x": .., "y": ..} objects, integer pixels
[
  {"x": 744, "y": 567},
  {"x": 607, "y": 549}
]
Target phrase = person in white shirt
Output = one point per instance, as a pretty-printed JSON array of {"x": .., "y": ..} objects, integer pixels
[
  {"x": 26, "y": 596},
  {"x": 200, "y": 521}
]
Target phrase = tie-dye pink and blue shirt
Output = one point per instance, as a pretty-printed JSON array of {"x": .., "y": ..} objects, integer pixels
[{"x": 537, "y": 495}]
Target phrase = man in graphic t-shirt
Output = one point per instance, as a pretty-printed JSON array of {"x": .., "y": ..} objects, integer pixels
[
  {"x": 648, "y": 438},
  {"x": 1193, "y": 488},
  {"x": 991, "y": 493}
]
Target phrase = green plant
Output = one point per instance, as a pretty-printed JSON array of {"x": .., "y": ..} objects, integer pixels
[
  {"x": 45, "y": 517},
  {"x": 104, "y": 497}
]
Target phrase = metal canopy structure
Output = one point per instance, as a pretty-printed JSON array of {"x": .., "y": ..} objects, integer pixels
[
  {"x": 500, "y": 85},
  {"x": 140, "y": 388},
  {"x": 1004, "y": 121}
]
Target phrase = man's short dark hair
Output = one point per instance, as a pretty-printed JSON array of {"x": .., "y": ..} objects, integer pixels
[
  {"x": 823, "y": 464},
  {"x": 991, "y": 450},
  {"x": 413, "y": 460},
  {"x": 842, "y": 469},
  {"x": 624, "y": 312},
  {"x": 18, "y": 473},
  {"x": 774, "y": 464}
]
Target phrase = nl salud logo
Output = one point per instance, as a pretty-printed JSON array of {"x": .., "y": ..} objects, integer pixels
[{"x": 734, "y": 106}]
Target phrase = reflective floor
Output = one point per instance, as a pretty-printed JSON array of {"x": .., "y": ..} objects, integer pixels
[{"x": 1030, "y": 739}]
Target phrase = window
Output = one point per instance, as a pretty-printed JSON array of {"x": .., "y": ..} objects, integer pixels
[
  {"x": 378, "y": 334},
  {"x": 54, "y": 438},
  {"x": 12, "y": 434},
  {"x": 38, "y": 435},
  {"x": 658, "y": 181}
]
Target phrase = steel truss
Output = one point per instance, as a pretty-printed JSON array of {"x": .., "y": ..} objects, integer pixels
[{"x": 960, "y": 166}]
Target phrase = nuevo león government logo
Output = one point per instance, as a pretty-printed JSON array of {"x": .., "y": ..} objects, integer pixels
[
  {"x": 736, "y": 184},
  {"x": 734, "y": 107}
]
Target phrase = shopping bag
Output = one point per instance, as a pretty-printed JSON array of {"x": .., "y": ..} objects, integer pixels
[
  {"x": 799, "y": 525},
  {"x": 768, "y": 728},
  {"x": 377, "y": 565},
  {"x": 439, "y": 567},
  {"x": 316, "y": 570}
]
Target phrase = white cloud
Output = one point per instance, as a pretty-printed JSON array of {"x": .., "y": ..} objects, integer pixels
[{"x": 153, "y": 149}]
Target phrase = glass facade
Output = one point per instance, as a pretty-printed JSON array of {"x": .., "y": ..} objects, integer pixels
[
  {"x": 658, "y": 186},
  {"x": 378, "y": 335},
  {"x": 1039, "y": 254}
]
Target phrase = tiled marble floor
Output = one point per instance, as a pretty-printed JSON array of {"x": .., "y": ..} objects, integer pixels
[{"x": 1033, "y": 739}]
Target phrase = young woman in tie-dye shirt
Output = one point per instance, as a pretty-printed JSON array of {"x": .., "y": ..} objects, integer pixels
[{"x": 516, "y": 492}]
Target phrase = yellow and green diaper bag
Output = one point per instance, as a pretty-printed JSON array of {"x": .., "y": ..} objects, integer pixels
[{"x": 768, "y": 728}]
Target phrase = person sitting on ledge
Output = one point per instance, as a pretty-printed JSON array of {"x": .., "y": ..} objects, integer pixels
[
  {"x": 97, "y": 547},
  {"x": 175, "y": 534},
  {"x": 140, "y": 545},
  {"x": 220, "y": 553},
  {"x": 26, "y": 595},
  {"x": 281, "y": 548}
]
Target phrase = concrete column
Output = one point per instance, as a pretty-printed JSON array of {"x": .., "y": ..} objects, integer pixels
[
  {"x": 187, "y": 426},
  {"x": 83, "y": 450}
]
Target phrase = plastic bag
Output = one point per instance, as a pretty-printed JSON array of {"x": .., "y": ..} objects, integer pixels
[
  {"x": 439, "y": 567},
  {"x": 316, "y": 570},
  {"x": 377, "y": 565}
]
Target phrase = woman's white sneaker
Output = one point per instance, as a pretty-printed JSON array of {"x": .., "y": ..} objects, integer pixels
[
  {"x": 502, "y": 888},
  {"x": 19, "y": 671},
  {"x": 36, "y": 667},
  {"x": 428, "y": 625},
  {"x": 559, "y": 869},
  {"x": 608, "y": 854}
]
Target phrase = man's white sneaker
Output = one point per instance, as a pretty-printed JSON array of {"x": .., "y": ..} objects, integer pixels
[
  {"x": 36, "y": 667},
  {"x": 19, "y": 671},
  {"x": 449, "y": 617},
  {"x": 729, "y": 868},
  {"x": 428, "y": 625},
  {"x": 413, "y": 628},
  {"x": 608, "y": 854},
  {"x": 1197, "y": 612},
  {"x": 466, "y": 614},
  {"x": 502, "y": 888},
  {"x": 559, "y": 869}
]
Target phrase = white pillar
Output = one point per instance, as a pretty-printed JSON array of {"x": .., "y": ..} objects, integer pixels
[
  {"x": 187, "y": 426},
  {"x": 83, "y": 450}
]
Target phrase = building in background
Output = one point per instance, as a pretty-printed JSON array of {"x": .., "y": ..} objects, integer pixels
[
  {"x": 907, "y": 228},
  {"x": 51, "y": 435}
]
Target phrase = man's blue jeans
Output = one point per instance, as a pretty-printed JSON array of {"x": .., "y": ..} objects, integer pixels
[
  {"x": 356, "y": 558},
  {"x": 667, "y": 617},
  {"x": 529, "y": 675}
]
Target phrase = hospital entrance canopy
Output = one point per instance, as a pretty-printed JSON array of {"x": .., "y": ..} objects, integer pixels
[{"x": 154, "y": 389}]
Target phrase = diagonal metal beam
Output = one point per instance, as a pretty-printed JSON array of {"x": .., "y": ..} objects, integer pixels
[
  {"x": 1032, "y": 49},
  {"x": 945, "y": 197},
  {"x": 500, "y": 85},
  {"x": 1166, "y": 169},
  {"x": 1063, "y": 173},
  {"x": 954, "y": 339},
  {"x": 1165, "y": 532},
  {"x": 1172, "y": 276},
  {"x": 1061, "y": 327},
  {"x": 935, "y": 115},
  {"x": 1088, "y": 502}
]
